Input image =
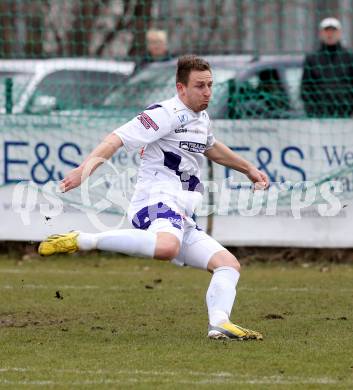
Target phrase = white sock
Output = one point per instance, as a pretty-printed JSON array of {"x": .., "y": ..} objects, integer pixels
[
  {"x": 221, "y": 294},
  {"x": 128, "y": 241}
]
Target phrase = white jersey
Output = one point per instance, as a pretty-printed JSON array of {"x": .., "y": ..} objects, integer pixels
[{"x": 174, "y": 139}]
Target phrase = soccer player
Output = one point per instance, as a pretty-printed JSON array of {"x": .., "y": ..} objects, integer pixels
[{"x": 175, "y": 135}]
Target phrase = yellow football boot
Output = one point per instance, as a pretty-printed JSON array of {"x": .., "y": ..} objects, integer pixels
[
  {"x": 228, "y": 330},
  {"x": 59, "y": 243}
]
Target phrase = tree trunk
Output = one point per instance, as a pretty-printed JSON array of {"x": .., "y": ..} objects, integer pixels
[
  {"x": 7, "y": 30},
  {"x": 78, "y": 39},
  {"x": 140, "y": 24},
  {"x": 33, "y": 47}
]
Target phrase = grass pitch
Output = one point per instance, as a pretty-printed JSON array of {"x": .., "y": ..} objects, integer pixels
[{"x": 115, "y": 322}]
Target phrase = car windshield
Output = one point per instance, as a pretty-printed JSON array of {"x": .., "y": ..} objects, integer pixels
[
  {"x": 19, "y": 83},
  {"x": 155, "y": 84},
  {"x": 77, "y": 89}
]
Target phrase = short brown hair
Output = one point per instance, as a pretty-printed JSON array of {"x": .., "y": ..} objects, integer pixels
[{"x": 188, "y": 63}]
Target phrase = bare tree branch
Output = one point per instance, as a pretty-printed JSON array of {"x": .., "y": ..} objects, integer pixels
[
  {"x": 59, "y": 42},
  {"x": 119, "y": 25}
]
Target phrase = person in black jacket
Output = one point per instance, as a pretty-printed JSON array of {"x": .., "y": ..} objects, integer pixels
[{"x": 327, "y": 82}]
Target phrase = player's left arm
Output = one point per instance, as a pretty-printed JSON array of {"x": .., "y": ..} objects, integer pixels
[{"x": 223, "y": 155}]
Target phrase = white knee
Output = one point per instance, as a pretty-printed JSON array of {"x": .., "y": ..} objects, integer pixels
[
  {"x": 167, "y": 247},
  {"x": 223, "y": 259}
]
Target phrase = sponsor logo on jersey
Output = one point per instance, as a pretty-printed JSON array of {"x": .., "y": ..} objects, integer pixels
[
  {"x": 147, "y": 121},
  {"x": 194, "y": 147},
  {"x": 175, "y": 221},
  {"x": 181, "y": 129},
  {"x": 183, "y": 118},
  {"x": 196, "y": 131}
]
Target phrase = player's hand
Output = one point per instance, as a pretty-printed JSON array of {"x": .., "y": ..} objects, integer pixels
[
  {"x": 72, "y": 180},
  {"x": 260, "y": 179}
]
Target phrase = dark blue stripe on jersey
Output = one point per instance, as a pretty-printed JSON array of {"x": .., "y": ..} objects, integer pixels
[
  {"x": 143, "y": 218},
  {"x": 153, "y": 106},
  {"x": 172, "y": 161},
  {"x": 189, "y": 182}
]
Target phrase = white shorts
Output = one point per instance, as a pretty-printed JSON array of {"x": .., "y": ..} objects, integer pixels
[{"x": 197, "y": 247}]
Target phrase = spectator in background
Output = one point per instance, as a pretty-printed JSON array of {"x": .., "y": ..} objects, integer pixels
[
  {"x": 327, "y": 82},
  {"x": 157, "y": 46}
]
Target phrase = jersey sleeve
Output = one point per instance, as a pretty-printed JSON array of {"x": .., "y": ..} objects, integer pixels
[
  {"x": 210, "y": 137},
  {"x": 147, "y": 127}
]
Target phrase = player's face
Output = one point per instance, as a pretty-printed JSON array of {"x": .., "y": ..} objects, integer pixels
[
  {"x": 197, "y": 93},
  {"x": 330, "y": 36}
]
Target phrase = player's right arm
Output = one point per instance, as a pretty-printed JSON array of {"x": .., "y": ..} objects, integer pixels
[
  {"x": 147, "y": 127},
  {"x": 104, "y": 151}
]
